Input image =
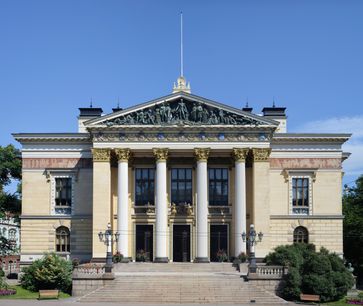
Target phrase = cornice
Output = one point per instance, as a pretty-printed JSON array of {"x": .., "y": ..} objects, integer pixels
[
  {"x": 310, "y": 137},
  {"x": 52, "y": 137}
]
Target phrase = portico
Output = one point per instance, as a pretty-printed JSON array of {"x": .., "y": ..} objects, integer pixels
[{"x": 163, "y": 211}]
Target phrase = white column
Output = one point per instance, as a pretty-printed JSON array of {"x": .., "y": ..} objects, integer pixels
[
  {"x": 202, "y": 205},
  {"x": 161, "y": 206},
  {"x": 123, "y": 201},
  {"x": 239, "y": 213}
]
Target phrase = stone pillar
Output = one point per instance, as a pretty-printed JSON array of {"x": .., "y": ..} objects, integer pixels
[
  {"x": 239, "y": 213},
  {"x": 202, "y": 204},
  {"x": 161, "y": 206},
  {"x": 123, "y": 156},
  {"x": 101, "y": 206},
  {"x": 261, "y": 198}
]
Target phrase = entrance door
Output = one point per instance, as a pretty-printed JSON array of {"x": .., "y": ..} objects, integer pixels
[
  {"x": 181, "y": 243},
  {"x": 144, "y": 241},
  {"x": 218, "y": 240}
]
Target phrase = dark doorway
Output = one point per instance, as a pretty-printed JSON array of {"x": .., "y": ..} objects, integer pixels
[
  {"x": 181, "y": 243},
  {"x": 218, "y": 240},
  {"x": 144, "y": 242}
]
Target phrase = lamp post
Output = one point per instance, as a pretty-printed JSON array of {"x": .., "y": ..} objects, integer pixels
[
  {"x": 252, "y": 239},
  {"x": 107, "y": 238}
]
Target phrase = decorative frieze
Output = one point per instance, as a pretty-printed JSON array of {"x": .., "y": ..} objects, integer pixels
[
  {"x": 180, "y": 137},
  {"x": 61, "y": 163},
  {"x": 305, "y": 163},
  {"x": 201, "y": 154},
  {"x": 161, "y": 154},
  {"x": 101, "y": 155},
  {"x": 240, "y": 154},
  {"x": 261, "y": 154},
  {"x": 122, "y": 154}
]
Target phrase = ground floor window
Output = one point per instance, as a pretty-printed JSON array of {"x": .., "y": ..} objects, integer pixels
[
  {"x": 301, "y": 235},
  {"x": 62, "y": 239}
]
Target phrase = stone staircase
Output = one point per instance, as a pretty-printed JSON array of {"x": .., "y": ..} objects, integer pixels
[{"x": 200, "y": 283}]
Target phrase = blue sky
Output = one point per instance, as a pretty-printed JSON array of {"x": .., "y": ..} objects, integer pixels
[{"x": 56, "y": 55}]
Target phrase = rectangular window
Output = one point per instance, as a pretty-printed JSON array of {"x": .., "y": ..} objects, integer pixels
[
  {"x": 63, "y": 192},
  {"x": 218, "y": 186},
  {"x": 144, "y": 186},
  {"x": 181, "y": 186},
  {"x": 300, "y": 195}
]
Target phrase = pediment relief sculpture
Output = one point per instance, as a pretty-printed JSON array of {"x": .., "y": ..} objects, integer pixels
[{"x": 181, "y": 112}]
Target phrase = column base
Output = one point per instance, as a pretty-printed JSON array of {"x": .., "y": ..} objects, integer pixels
[
  {"x": 161, "y": 259},
  {"x": 201, "y": 260}
]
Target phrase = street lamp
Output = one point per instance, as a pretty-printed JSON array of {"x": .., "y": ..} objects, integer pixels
[
  {"x": 107, "y": 238},
  {"x": 252, "y": 239}
]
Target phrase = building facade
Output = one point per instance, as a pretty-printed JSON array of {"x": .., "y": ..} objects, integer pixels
[{"x": 179, "y": 178}]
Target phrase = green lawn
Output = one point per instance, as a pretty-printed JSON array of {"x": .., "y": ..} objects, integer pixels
[{"x": 22, "y": 293}]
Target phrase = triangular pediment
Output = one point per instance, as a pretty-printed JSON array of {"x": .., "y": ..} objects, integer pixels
[{"x": 180, "y": 109}]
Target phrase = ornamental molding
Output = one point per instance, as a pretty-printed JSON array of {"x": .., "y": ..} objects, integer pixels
[
  {"x": 122, "y": 155},
  {"x": 101, "y": 155},
  {"x": 201, "y": 154},
  {"x": 240, "y": 154},
  {"x": 180, "y": 137},
  {"x": 261, "y": 154},
  {"x": 161, "y": 154}
]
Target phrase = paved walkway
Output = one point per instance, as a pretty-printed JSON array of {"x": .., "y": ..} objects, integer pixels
[{"x": 72, "y": 301}]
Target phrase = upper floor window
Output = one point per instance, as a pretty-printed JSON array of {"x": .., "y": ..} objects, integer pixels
[
  {"x": 12, "y": 234},
  {"x": 301, "y": 235},
  {"x": 144, "y": 186},
  {"x": 181, "y": 186},
  {"x": 63, "y": 191},
  {"x": 62, "y": 239},
  {"x": 300, "y": 195},
  {"x": 218, "y": 186}
]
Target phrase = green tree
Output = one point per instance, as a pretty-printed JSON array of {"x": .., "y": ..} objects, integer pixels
[
  {"x": 49, "y": 272},
  {"x": 311, "y": 272},
  {"x": 353, "y": 227},
  {"x": 10, "y": 169}
]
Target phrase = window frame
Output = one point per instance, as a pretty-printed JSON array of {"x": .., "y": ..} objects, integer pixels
[
  {"x": 301, "y": 233},
  {"x": 135, "y": 185},
  {"x": 62, "y": 210},
  {"x": 58, "y": 237},
  {"x": 185, "y": 181},
  {"x": 227, "y": 188},
  {"x": 303, "y": 210}
]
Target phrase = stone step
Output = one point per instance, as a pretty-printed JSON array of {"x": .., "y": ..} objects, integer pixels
[{"x": 186, "y": 283}]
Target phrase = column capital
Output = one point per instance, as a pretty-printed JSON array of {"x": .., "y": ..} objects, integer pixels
[
  {"x": 240, "y": 154},
  {"x": 161, "y": 154},
  {"x": 101, "y": 155},
  {"x": 201, "y": 154},
  {"x": 261, "y": 154},
  {"x": 122, "y": 154}
]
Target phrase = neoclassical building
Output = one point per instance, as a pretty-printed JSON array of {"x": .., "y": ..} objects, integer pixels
[{"x": 179, "y": 178}]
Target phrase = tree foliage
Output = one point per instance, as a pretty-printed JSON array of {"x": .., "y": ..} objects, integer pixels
[
  {"x": 50, "y": 272},
  {"x": 353, "y": 227},
  {"x": 10, "y": 164},
  {"x": 10, "y": 168},
  {"x": 321, "y": 273}
]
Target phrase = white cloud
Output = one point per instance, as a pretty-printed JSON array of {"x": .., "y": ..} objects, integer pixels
[{"x": 353, "y": 166}]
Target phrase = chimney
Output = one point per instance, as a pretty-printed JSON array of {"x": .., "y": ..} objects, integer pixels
[
  {"x": 277, "y": 114},
  {"x": 87, "y": 113}
]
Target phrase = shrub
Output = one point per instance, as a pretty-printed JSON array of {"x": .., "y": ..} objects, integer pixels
[
  {"x": 3, "y": 284},
  {"x": 50, "y": 272},
  {"x": 117, "y": 257},
  {"x": 2, "y": 273},
  {"x": 4, "y": 292},
  {"x": 222, "y": 256},
  {"x": 75, "y": 263},
  {"x": 141, "y": 256},
  {"x": 321, "y": 273},
  {"x": 242, "y": 257}
]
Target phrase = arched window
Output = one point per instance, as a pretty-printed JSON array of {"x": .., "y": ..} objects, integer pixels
[
  {"x": 62, "y": 241},
  {"x": 301, "y": 235}
]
